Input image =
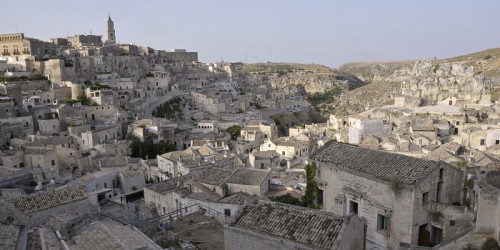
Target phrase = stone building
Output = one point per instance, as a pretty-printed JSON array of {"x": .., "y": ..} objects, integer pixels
[
  {"x": 288, "y": 147},
  {"x": 264, "y": 159},
  {"x": 361, "y": 127},
  {"x": 269, "y": 225},
  {"x": 16, "y": 45},
  {"x": 78, "y": 41},
  {"x": 209, "y": 103},
  {"x": 392, "y": 192},
  {"x": 43, "y": 162},
  {"x": 35, "y": 208},
  {"x": 110, "y": 234},
  {"x": 486, "y": 204},
  {"x": 178, "y": 55},
  {"x": 90, "y": 139},
  {"x": 7, "y": 107},
  {"x": 270, "y": 130},
  {"x": 249, "y": 181}
]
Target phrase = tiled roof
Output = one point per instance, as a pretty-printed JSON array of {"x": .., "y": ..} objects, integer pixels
[
  {"x": 37, "y": 151},
  {"x": 248, "y": 176},
  {"x": 164, "y": 186},
  {"x": 382, "y": 165},
  {"x": 43, "y": 200},
  {"x": 109, "y": 234},
  {"x": 132, "y": 173},
  {"x": 8, "y": 237},
  {"x": 50, "y": 240},
  {"x": 288, "y": 142},
  {"x": 307, "y": 226},
  {"x": 237, "y": 198},
  {"x": 441, "y": 154},
  {"x": 265, "y": 154},
  {"x": 53, "y": 140},
  {"x": 212, "y": 176}
]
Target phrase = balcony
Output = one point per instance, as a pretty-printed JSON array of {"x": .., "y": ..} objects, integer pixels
[
  {"x": 16, "y": 53},
  {"x": 5, "y": 53},
  {"x": 26, "y": 52}
]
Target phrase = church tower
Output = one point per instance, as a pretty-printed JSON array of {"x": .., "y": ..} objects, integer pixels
[{"x": 111, "y": 33}]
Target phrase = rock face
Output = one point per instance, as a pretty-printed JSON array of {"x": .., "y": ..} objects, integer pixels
[
  {"x": 373, "y": 72},
  {"x": 315, "y": 80},
  {"x": 435, "y": 82},
  {"x": 463, "y": 80}
]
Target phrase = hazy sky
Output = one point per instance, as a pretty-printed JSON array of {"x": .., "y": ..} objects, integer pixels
[{"x": 324, "y": 32}]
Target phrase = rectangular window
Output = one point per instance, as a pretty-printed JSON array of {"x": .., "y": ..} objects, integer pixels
[
  {"x": 283, "y": 152},
  {"x": 497, "y": 142},
  {"x": 482, "y": 142},
  {"x": 425, "y": 198},
  {"x": 227, "y": 212},
  {"x": 382, "y": 223},
  {"x": 53, "y": 162},
  {"x": 353, "y": 207},
  {"x": 452, "y": 223}
]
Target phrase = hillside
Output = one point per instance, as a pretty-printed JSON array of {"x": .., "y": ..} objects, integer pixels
[
  {"x": 465, "y": 77},
  {"x": 313, "y": 77}
]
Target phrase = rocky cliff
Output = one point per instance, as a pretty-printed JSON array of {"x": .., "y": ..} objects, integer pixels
[
  {"x": 467, "y": 79},
  {"x": 313, "y": 78}
]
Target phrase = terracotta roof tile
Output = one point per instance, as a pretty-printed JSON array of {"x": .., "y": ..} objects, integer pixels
[
  {"x": 379, "y": 164},
  {"x": 307, "y": 226},
  {"x": 43, "y": 200}
]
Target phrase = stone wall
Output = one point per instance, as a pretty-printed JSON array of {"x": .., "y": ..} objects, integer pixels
[{"x": 403, "y": 206}]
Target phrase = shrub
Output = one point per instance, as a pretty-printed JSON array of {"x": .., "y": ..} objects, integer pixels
[
  {"x": 234, "y": 131},
  {"x": 435, "y": 68},
  {"x": 288, "y": 199}
]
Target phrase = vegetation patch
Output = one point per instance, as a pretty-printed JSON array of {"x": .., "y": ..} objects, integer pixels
[
  {"x": 34, "y": 77},
  {"x": 286, "y": 120},
  {"x": 170, "y": 110},
  {"x": 148, "y": 149},
  {"x": 83, "y": 99},
  {"x": 288, "y": 199},
  {"x": 234, "y": 131},
  {"x": 311, "y": 193},
  {"x": 325, "y": 97}
]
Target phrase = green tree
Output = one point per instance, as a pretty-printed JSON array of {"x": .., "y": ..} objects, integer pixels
[
  {"x": 234, "y": 131},
  {"x": 149, "y": 149},
  {"x": 311, "y": 189}
]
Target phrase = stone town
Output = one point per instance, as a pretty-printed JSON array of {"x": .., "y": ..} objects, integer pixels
[{"x": 120, "y": 146}]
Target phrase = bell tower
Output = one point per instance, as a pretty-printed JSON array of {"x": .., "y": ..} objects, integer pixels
[{"x": 110, "y": 32}]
